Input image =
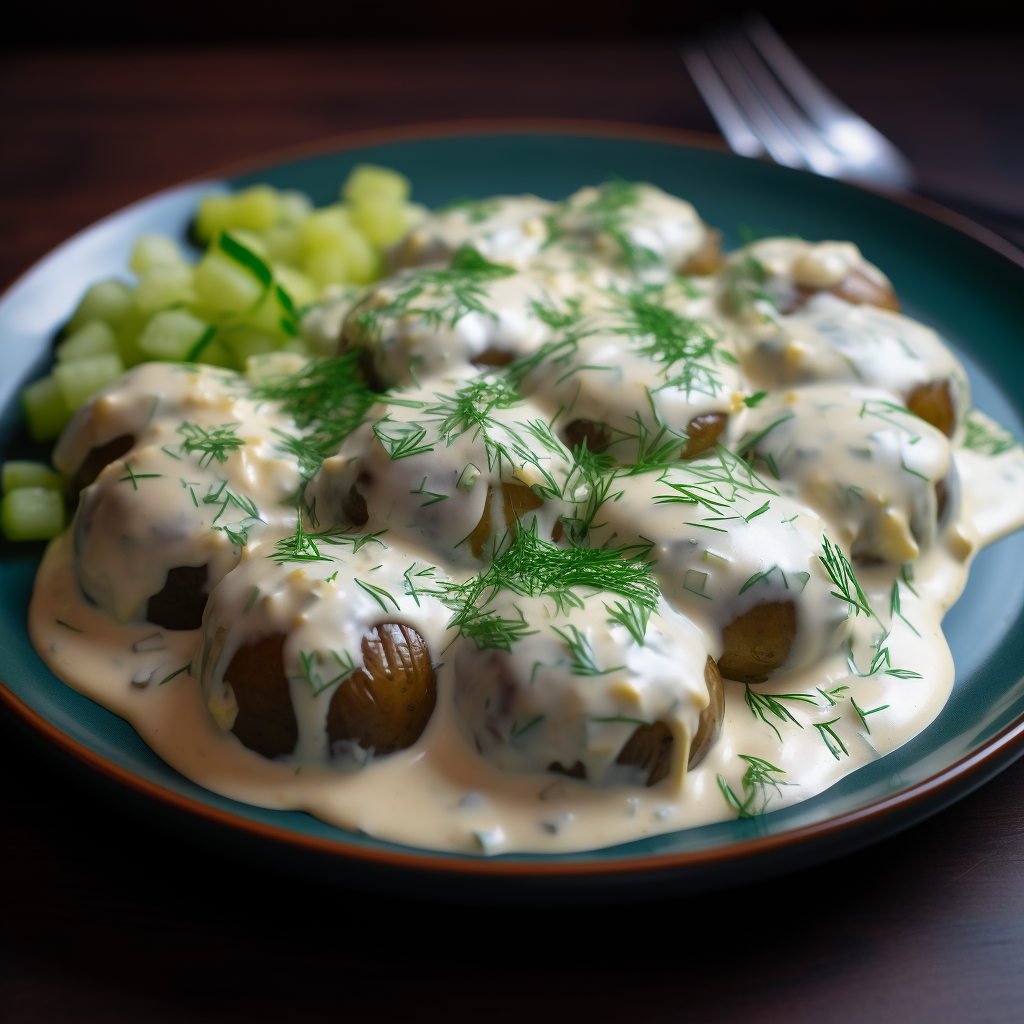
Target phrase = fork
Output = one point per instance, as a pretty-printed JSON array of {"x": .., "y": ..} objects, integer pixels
[{"x": 768, "y": 104}]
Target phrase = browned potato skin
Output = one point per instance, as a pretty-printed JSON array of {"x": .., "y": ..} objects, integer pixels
[
  {"x": 857, "y": 289},
  {"x": 386, "y": 704},
  {"x": 594, "y": 434},
  {"x": 99, "y": 458},
  {"x": 491, "y": 357},
  {"x": 758, "y": 642},
  {"x": 709, "y": 726},
  {"x": 702, "y": 433},
  {"x": 650, "y": 746},
  {"x": 266, "y": 722},
  {"x": 181, "y": 603},
  {"x": 708, "y": 259},
  {"x": 517, "y": 499},
  {"x": 934, "y": 404}
]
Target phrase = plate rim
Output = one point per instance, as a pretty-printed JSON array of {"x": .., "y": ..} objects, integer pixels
[{"x": 974, "y": 766}]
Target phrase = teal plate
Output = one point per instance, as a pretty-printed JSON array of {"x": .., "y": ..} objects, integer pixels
[{"x": 946, "y": 276}]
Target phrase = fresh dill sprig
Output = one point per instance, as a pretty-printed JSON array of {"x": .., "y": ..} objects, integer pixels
[
  {"x": 316, "y": 679},
  {"x": 863, "y": 715},
  {"x": 584, "y": 662},
  {"x": 843, "y": 578},
  {"x": 212, "y": 443},
  {"x": 609, "y": 211},
  {"x": 744, "y": 284},
  {"x": 831, "y": 738},
  {"x": 985, "y": 436},
  {"x": 631, "y": 615},
  {"x": 895, "y": 606},
  {"x": 328, "y": 399},
  {"x": 458, "y": 290},
  {"x": 135, "y": 477},
  {"x": 299, "y": 546},
  {"x": 532, "y": 566},
  {"x": 764, "y": 704},
  {"x": 758, "y": 783},
  {"x": 687, "y": 350}
]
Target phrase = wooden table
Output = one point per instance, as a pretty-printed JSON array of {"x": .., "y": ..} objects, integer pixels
[{"x": 104, "y": 919}]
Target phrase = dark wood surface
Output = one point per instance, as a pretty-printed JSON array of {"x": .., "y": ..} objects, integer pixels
[{"x": 108, "y": 920}]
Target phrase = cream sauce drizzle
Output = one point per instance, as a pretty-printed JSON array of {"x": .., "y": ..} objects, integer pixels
[{"x": 476, "y": 778}]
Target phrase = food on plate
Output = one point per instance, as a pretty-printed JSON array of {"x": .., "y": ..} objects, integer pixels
[{"x": 521, "y": 525}]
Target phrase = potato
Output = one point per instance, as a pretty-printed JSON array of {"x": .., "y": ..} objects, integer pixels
[
  {"x": 650, "y": 746},
  {"x": 100, "y": 457},
  {"x": 181, "y": 603},
  {"x": 709, "y": 727},
  {"x": 758, "y": 642},
  {"x": 265, "y": 721},
  {"x": 708, "y": 258},
  {"x": 386, "y": 704},
  {"x": 595, "y": 435},
  {"x": 934, "y": 404},
  {"x": 517, "y": 500},
  {"x": 858, "y": 289}
]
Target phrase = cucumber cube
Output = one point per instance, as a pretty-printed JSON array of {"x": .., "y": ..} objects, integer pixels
[
  {"x": 32, "y": 513},
  {"x": 293, "y": 206},
  {"x": 256, "y": 208},
  {"x": 164, "y": 285},
  {"x": 215, "y": 213},
  {"x": 224, "y": 285},
  {"x": 46, "y": 412},
  {"x": 367, "y": 182},
  {"x": 155, "y": 251},
  {"x": 93, "y": 339},
  {"x": 80, "y": 379},
  {"x": 170, "y": 335},
  {"x": 108, "y": 301},
  {"x": 383, "y": 223},
  {"x": 19, "y": 473}
]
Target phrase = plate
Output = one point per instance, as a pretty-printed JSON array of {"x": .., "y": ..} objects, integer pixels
[{"x": 954, "y": 279}]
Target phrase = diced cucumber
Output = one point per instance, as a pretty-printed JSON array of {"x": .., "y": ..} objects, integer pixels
[
  {"x": 21, "y": 473},
  {"x": 92, "y": 339},
  {"x": 256, "y": 208},
  {"x": 108, "y": 301},
  {"x": 261, "y": 368},
  {"x": 383, "y": 223},
  {"x": 155, "y": 251},
  {"x": 80, "y": 379},
  {"x": 128, "y": 332},
  {"x": 335, "y": 251},
  {"x": 171, "y": 334},
  {"x": 32, "y": 513},
  {"x": 215, "y": 213},
  {"x": 163, "y": 286},
  {"x": 293, "y": 206},
  {"x": 225, "y": 286},
  {"x": 369, "y": 183},
  {"x": 244, "y": 343},
  {"x": 45, "y": 409},
  {"x": 301, "y": 289},
  {"x": 282, "y": 244},
  {"x": 327, "y": 266}
]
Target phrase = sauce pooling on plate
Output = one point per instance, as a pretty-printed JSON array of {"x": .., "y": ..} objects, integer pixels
[{"x": 588, "y": 532}]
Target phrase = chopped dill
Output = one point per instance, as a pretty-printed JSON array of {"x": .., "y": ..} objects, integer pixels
[
  {"x": 316, "y": 679},
  {"x": 519, "y": 730},
  {"x": 608, "y": 210},
  {"x": 458, "y": 289},
  {"x": 299, "y": 547},
  {"x": 379, "y": 594},
  {"x": 631, "y": 615},
  {"x": 863, "y": 715},
  {"x": 584, "y": 662},
  {"x": 133, "y": 476},
  {"x": 176, "y": 672},
  {"x": 986, "y": 436},
  {"x": 831, "y": 738},
  {"x": 212, "y": 443},
  {"x": 764, "y": 704},
  {"x": 841, "y": 574},
  {"x": 758, "y": 780}
]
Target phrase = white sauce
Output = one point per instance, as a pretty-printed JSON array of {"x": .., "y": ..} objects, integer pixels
[{"x": 839, "y": 461}]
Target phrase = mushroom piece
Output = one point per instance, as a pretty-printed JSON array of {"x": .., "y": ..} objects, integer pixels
[
  {"x": 934, "y": 404},
  {"x": 758, "y": 641},
  {"x": 265, "y": 721}
]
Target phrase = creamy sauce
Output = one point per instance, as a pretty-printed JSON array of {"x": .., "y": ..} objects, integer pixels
[{"x": 512, "y": 329}]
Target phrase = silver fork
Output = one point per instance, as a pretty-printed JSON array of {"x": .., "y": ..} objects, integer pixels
[{"x": 767, "y": 103}]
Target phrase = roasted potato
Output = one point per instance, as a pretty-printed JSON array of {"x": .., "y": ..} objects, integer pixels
[
  {"x": 758, "y": 642},
  {"x": 181, "y": 603},
  {"x": 99, "y": 458},
  {"x": 386, "y": 704},
  {"x": 708, "y": 259},
  {"x": 934, "y": 404},
  {"x": 265, "y": 721}
]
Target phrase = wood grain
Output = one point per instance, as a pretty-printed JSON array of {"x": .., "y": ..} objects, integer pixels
[{"x": 105, "y": 919}]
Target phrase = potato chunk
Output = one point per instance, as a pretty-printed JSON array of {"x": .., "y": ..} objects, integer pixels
[
  {"x": 265, "y": 722},
  {"x": 386, "y": 704},
  {"x": 758, "y": 642},
  {"x": 934, "y": 404},
  {"x": 181, "y": 602},
  {"x": 100, "y": 457}
]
